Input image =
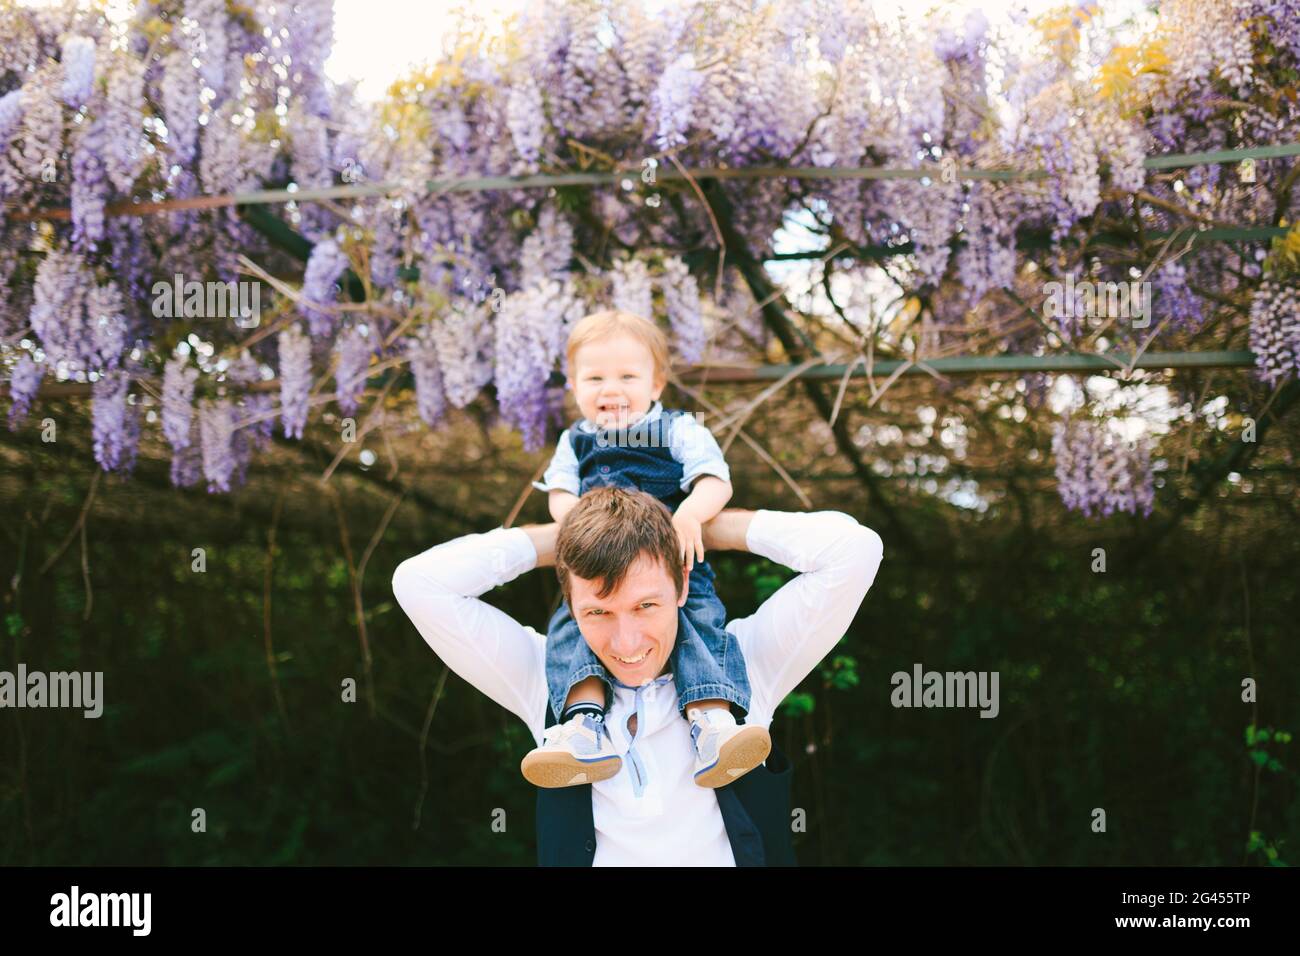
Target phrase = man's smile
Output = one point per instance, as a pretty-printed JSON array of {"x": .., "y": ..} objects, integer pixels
[{"x": 632, "y": 660}]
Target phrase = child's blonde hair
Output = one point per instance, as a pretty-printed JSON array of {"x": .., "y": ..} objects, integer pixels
[{"x": 610, "y": 322}]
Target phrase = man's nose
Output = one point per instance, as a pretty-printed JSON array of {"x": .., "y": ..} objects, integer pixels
[{"x": 627, "y": 639}]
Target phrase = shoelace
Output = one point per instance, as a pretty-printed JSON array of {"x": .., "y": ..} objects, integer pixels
[{"x": 557, "y": 731}]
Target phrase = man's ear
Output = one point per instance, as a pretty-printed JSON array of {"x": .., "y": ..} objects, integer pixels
[{"x": 686, "y": 587}]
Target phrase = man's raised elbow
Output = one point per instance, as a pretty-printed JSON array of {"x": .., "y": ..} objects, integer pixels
[
  {"x": 868, "y": 552},
  {"x": 406, "y": 579},
  {"x": 872, "y": 544}
]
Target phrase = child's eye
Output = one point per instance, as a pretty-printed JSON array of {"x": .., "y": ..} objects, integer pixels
[{"x": 629, "y": 376}]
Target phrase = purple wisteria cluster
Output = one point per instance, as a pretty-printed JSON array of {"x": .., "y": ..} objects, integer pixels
[
  {"x": 464, "y": 346},
  {"x": 1275, "y": 331},
  {"x": 430, "y": 395},
  {"x": 530, "y": 332},
  {"x": 319, "y": 286},
  {"x": 355, "y": 346},
  {"x": 116, "y": 422},
  {"x": 195, "y": 98},
  {"x": 295, "y": 379},
  {"x": 682, "y": 303},
  {"x": 1099, "y": 473}
]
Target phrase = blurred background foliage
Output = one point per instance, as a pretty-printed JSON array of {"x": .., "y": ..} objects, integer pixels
[{"x": 1119, "y": 690}]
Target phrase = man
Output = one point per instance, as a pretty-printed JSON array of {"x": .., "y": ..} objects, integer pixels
[{"x": 651, "y": 812}]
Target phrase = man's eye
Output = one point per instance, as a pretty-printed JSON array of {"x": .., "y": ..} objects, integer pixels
[{"x": 648, "y": 604}]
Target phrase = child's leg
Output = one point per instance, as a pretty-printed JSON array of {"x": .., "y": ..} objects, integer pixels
[
  {"x": 713, "y": 689},
  {"x": 574, "y": 675},
  {"x": 708, "y": 666},
  {"x": 589, "y": 690},
  {"x": 716, "y": 703},
  {"x": 576, "y": 749}
]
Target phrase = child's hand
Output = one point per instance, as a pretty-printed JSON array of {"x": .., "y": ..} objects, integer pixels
[{"x": 690, "y": 538}]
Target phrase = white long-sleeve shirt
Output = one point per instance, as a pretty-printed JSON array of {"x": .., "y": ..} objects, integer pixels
[{"x": 674, "y": 821}]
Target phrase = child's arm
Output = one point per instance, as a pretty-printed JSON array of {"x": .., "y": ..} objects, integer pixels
[
  {"x": 561, "y": 502},
  {"x": 708, "y": 496},
  {"x": 561, "y": 482},
  {"x": 705, "y": 473}
]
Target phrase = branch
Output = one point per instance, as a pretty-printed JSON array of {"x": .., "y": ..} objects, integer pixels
[
  {"x": 1234, "y": 460},
  {"x": 776, "y": 320}
]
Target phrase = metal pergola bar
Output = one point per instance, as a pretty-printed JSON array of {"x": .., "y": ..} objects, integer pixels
[
  {"x": 552, "y": 180},
  {"x": 952, "y": 365},
  {"x": 982, "y": 365}
]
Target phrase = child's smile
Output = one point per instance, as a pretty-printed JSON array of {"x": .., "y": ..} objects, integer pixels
[{"x": 614, "y": 381}]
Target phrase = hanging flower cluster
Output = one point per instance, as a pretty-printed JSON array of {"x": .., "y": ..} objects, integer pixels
[
  {"x": 1099, "y": 473},
  {"x": 1275, "y": 331},
  {"x": 195, "y": 97}
]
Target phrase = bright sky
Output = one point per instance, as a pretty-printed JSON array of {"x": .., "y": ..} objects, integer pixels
[{"x": 375, "y": 41}]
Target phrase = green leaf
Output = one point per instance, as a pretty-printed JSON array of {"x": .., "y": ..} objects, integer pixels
[
  {"x": 797, "y": 705},
  {"x": 842, "y": 673},
  {"x": 228, "y": 772}
]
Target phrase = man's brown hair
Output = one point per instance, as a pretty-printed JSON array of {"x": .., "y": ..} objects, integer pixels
[{"x": 607, "y": 530}]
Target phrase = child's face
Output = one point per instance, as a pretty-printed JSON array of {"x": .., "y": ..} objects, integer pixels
[{"x": 614, "y": 381}]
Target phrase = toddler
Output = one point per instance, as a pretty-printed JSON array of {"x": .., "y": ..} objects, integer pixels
[{"x": 618, "y": 367}]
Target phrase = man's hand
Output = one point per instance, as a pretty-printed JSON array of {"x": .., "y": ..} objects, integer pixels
[
  {"x": 725, "y": 532},
  {"x": 690, "y": 538}
]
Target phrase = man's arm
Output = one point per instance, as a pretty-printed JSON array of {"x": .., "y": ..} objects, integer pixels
[
  {"x": 728, "y": 530},
  {"x": 542, "y": 537},
  {"x": 803, "y": 621},
  {"x": 439, "y": 590}
]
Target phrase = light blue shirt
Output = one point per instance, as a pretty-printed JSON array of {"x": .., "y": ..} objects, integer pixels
[{"x": 689, "y": 442}]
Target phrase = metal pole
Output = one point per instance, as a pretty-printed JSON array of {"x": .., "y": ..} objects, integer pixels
[
  {"x": 954, "y": 365},
  {"x": 983, "y": 365}
]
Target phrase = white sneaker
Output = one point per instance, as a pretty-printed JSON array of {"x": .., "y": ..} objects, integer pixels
[
  {"x": 572, "y": 753},
  {"x": 725, "y": 750}
]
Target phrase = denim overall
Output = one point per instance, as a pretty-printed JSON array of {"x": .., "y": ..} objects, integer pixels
[{"x": 706, "y": 660}]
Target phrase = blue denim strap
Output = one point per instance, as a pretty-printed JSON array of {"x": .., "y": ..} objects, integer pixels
[{"x": 638, "y": 768}]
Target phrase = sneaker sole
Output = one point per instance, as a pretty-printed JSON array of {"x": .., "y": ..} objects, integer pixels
[
  {"x": 739, "y": 755},
  {"x": 551, "y": 769}
]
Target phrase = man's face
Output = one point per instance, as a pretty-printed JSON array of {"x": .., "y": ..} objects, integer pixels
[{"x": 633, "y": 629}]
